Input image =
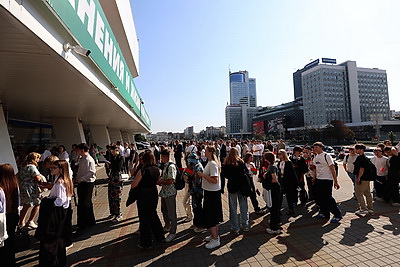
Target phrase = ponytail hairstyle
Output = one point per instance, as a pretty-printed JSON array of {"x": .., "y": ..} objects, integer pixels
[{"x": 65, "y": 176}]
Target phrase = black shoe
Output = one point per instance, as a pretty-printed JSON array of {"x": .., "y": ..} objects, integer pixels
[
  {"x": 290, "y": 212},
  {"x": 142, "y": 247}
]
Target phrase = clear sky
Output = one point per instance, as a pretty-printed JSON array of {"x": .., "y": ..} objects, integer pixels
[{"x": 188, "y": 46}]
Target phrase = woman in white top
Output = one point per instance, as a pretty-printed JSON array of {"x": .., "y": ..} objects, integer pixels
[
  {"x": 54, "y": 223},
  {"x": 212, "y": 206}
]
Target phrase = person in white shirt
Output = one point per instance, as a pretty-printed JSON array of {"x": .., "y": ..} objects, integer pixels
[
  {"x": 324, "y": 178},
  {"x": 62, "y": 153},
  {"x": 126, "y": 154},
  {"x": 382, "y": 166},
  {"x": 212, "y": 205},
  {"x": 53, "y": 251},
  {"x": 348, "y": 165},
  {"x": 257, "y": 153}
]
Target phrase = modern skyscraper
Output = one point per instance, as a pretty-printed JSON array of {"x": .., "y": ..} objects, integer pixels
[
  {"x": 242, "y": 89},
  {"x": 242, "y": 106},
  {"x": 344, "y": 92}
]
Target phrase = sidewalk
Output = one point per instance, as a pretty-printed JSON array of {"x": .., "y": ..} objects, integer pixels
[{"x": 357, "y": 241}]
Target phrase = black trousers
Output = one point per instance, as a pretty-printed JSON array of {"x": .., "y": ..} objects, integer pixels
[
  {"x": 379, "y": 185},
  {"x": 253, "y": 196},
  {"x": 323, "y": 197},
  {"x": 291, "y": 197},
  {"x": 7, "y": 253},
  {"x": 150, "y": 223},
  {"x": 178, "y": 162},
  {"x": 275, "y": 210},
  {"x": 392, "y": 188},
  {"x": 197, "y": 206},
  {"x": 85, "y": 206},
  {"x": 310, "y": 188}
]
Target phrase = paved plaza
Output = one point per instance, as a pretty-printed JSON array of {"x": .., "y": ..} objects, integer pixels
[{"x": 370, "y": 240}]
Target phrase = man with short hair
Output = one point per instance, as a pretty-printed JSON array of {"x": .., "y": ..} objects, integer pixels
[
  {"x": 362, "y": 170},
  {"x": 85, "y": 177},
  {"x": 300, "y": 167},
  {"x": 168, "y": 195},
  {"x": 325, "y": 178},
  {"x": 348, "y": 165}
]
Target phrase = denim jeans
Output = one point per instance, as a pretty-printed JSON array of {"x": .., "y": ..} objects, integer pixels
[
  {"x": 353, "y": 179},
  {"x": 243, "y": 206}
]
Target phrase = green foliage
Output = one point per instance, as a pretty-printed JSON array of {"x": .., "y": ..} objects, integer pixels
[
  {"x": 392, "y": 137},
  {"x": 140, "y": 137}
]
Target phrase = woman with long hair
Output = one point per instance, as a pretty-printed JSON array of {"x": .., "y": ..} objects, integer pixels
[
  {"x": 212, "y": 205},
  {"x": 9, "y": 203},
  {"x": 233, "y": 170},
  {"x": 54, "y": 230},
  {"x": 147, "y": 199},
  {"x": 29, "y": 179},
  {"x": 288, "y": 179}
]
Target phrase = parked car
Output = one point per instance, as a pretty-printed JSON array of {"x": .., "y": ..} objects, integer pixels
[
  {"x": 369, "y": 154},
  {"x": 142, "y": 145}
]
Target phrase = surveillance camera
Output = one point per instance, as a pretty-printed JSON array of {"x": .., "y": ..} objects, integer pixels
[{"x": 81, "y": 51}]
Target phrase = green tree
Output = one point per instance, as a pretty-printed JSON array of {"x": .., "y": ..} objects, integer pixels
[{"x": 392, "y": 137}]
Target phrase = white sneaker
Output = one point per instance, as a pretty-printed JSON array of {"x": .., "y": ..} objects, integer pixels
[
  {"x": 208, "y": 238},
  {"x": 117, "y": 218},
  {"x": 169, "y": 238},
  {"x": 273, "y": 232},
  {"x": 31, "y": 224},
  {"x": 361, "y": 211},
  {"x": 213, "y": 243}
]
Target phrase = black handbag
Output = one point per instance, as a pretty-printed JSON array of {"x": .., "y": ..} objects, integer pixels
[{"x": 132, "y": 197}]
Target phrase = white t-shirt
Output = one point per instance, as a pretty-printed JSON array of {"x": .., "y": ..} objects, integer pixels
[
  {"x": 381, "y": 164},
  {"x": 322, "y": 164},
  {"x": 211, "y": 169},
  {"x": 349, "y": 161},
  {"x": 191, "y": 149},
  {"x": 257, "y": 150}
]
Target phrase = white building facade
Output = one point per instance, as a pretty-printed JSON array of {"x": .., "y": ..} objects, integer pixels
[{"x": 67, "y": 71}]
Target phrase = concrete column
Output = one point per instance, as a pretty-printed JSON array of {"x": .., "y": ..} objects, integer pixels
[
  {"x": 68, "y": 131},
  {"x": 115, "y": 135},
  {"x": 100, "y": 135},
  {"x": 6, "y": 151},
  {"x": 127, "y": 137}
]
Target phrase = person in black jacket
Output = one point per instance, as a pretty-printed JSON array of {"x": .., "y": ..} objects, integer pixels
[
  {"x": 392, "y": 185},
  {"x": 288, "y": 179},
  {"x": 300, "y": 167},
  {"x": 233, "y": 170},
  {"x": 116, "y": 166}
]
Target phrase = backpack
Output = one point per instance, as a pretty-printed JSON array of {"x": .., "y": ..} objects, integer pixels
[
  {"x": 372, "y": 170},
  {"x": 334, "y": 162},
  {"x": 179, "y": 181}
]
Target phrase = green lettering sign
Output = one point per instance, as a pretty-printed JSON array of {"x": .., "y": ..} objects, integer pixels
[{"x": 86, "y": 21}]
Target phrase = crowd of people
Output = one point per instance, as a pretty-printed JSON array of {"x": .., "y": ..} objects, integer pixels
[{"x": 307, "y": 175}]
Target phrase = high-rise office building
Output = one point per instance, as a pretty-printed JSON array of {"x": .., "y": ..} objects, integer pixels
[
  {"x": 344, "y": 92},
  {"x": 242, "y": 106}
]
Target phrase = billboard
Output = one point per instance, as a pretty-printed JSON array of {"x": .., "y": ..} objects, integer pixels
[
  {"x": 258, "y": 127},
  {"x": 328, "y": 60},
  {"x": 312, "y": 64}
]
